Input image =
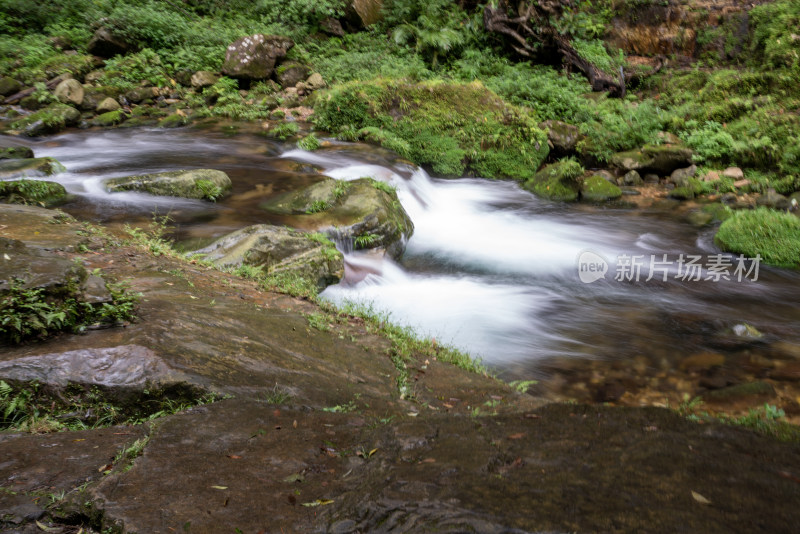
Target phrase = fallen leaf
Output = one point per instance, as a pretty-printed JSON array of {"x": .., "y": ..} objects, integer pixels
[
  {"x": 428, "y": 461},
  {"x": 447, "y": 405},
  {"x": 294, "y": 423},
  {"x": 296, "y": 477},
  {"x": 699, "y": 498},
  {"x": 518, "y": 435},
  {"x": 373, "y": 451},
  {"x": 220, "y": 487},
  {"x": 234, "y": 457},
  {"x": 532, "y": 416},
  {"x": 46, "y": 528},
  {"x": 82, "y": 439},
  {"x": 105, "y": 469},
  {"x": 318, "y": 502}
]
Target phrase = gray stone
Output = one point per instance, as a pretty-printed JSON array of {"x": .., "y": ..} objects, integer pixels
[
  {"x": 69, "y": 91},
  {"x": 141, "y": 93},
  {"x": 203, "y": 78},
  {"x": 331, "y": 26},
  {"x": 107, "y": 45},
  {"x": 291, "y": 73},
  {"x": 774, "y": 200},
  {"x": 29, "y": 168},
  {"x": 632, "y": 178},
  {"x": 108, "y": 104},
  {"x": 15, "y": 152},
  {"x": 253, "y": 57},
  {"x": 315, "y": 81},
  {"x": 680, "y": 177},
  {"x": 734, "y": 173},
  {"x": 9, "y": 86},
  {"x": 562, "y": 137},
  {"x": 659, "y": 159}
]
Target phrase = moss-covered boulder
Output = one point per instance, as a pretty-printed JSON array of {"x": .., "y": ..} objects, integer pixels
[
  {"x": 558, "y": 181},
  {"x": 9, "y": 86},
  {"x": 281, "y": 251},
  {"x": 562, "y": 137},
  {"x": 290, "y": 73},
  {"x": 364, "y": 211},
  {"x": 253, "y": 57},
  {"x": 108, "y": 104},
  {"x": 15, "y": 152},
  {"x": 49, "y": 120},
  {"x": 205, "y": 184},
  {"x": 29, "y": 168},
  {"x": 41, "y": 192},
  {"x": 598, "y": 189},
  {"x": 772, "y": 234},
  {"x": 175, "y": 120},
  {"x": 454, "y": 128},
  {"x": 109, "y": 118},
  {"x": 659, "y": 159}
]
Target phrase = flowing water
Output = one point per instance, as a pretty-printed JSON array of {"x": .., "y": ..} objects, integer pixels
[{"x": 490, "y": 268}]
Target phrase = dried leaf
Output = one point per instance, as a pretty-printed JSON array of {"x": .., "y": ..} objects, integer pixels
[
  {"x": 373, "y": 451},
  {"x": 234, "y": 457},
  {"x": 46, "y": 528},
  {"x": 296, "y": 477},
  {"x": 318, "y": 502},
  {"x": 518, "y": 435},
  {"x": 699, "y": 498},
  {"x": 220, "y": 487}
]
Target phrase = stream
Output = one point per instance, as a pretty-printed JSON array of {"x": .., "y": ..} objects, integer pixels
[{"x": 490, "y": 268}]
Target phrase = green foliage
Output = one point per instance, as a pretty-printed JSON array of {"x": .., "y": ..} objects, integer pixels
[
  {"x": 42, "y": 94},
  {"x": 772, "y": 234},
  {"x": 32, "y": 313},
  {"x": 318, "y": 321},
  {"x": 366, "y": 240},
  {"x": 451, "y": 127},
  {"x": 774, "y": 41},
  {"x": 317, "y": 206},
  {"x": 558, "y": 181},
  {"x": 299, "y": 12},
  {"x": 429, "y": 25},
  {"x": 284, "y": 130},
  {"x": 584, "y": 19},
  {"x": 595, "y": 52},
  {"x": 148, "y": 24},
  {"x": 209, "y": 189},
  {"x": 277, "y": 396},
  {"x": 127, "y": 72},
  {"x": 31, "y": 192},
  {"x": 383, "y": 186},
  {"x": 309, "y": 142},
  {"x": 291, "y": 284},
  {"x": 710, "y": 143}
]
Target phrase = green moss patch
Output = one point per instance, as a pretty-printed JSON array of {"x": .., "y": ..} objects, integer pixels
[
  {"x": 452, "y": 127},
  {"x": 557, "y": 181},
  {"x": 598, "y": 189},
  {"x": 32, "y": 192},
  {"x": 772, "y": 234}
]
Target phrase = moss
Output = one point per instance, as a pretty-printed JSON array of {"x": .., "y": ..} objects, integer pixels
[
  {"x": 51, "y": 119},
  {"x": 110, "y": 118},
  {"x": 557, "y": 181},
  {"x": 32, "y": 192},
  {"x": 454, "y": 128},
  {"x": 598, "y": 189},
  {"x": 173, "y": 121},
  {"x": 682, "y": 193},
  {"x": 773, "y": 235}
]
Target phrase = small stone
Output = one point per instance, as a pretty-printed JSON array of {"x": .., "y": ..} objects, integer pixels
[
  {"x": 651, "y": 178},
  {"x": 633, "y": 178},
  {"x": 203, "y": 78},
  {"x": 711, "y": 176},
  {"x": 680, "y": 177},
  {"x": 774, "y": 200},
  {"x": 315, "y": 82},
  {"x": 9, "y": 86},
  {"x": 734, "y": 173},
  {"x": 741, "y": 183},
  {"x": 746, "y": 330}
]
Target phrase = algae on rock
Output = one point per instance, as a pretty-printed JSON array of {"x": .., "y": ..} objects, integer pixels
[{"x": 206, "y": 184}]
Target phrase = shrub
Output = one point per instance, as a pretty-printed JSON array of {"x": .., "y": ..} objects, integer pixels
[{"x": 773, "y": 235}]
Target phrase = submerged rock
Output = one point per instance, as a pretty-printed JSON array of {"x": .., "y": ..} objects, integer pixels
[
  {"x": 206, "y": 184},
  {"x": 279, "y": 251},
  {"x": 364, "y": 211},
  {"x": 15, "y": 152},
  {"x": 29, "y": 168}
]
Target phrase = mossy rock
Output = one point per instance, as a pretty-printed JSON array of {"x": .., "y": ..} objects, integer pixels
[
  {"x": 364, "y": 211},
  {"x": 9, "y": 86},
  {"x": 15, "y": 152},
  {"x": 682, "y": 193},
  {"x": 175, "y": 120},
  {"x": 562, "y": 137},
  {"x": 772, "y": 234},
  {"x": 598, "y": 189},
  {"x": 659, "y": 159},
  {"x": 279, "y": 251},
  {"x": 110, "y": 118},
  {"x": 49, "y": 120},
  {"x": 454, "y": 128},
  {"x": 41, "y": 192},
  {"x": 709, "y": 214},
  {"x": 205, "y": 184},
  {"x": 29, "y": 168},
  {"x": 558, "y": 181}
]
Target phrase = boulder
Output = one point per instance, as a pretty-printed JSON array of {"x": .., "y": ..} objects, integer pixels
[
  {"x": 253, "y": 57},
  {"x": 141, "y": 93},
  {"x": 315, "y": 81},
  {"x": 734, "y": 173},
  {"x": 659, "y": 159},
  {"x": 291, "y": 73},
  {"x": 203, "y": 78},
  {"x": 557, "y": 181},
  {"x": 331, "y": 26},
  {"x": 632, "y": 178},
  {"x": 680, "y": 177},
  {"x": 9, "y": 86},
  {"x": 597, "y": 189},
  {"x": 49, "y": 120},
  {"x": 774, "y": 200},
  {"x": 109, "y": 118},
  {"x": 94, "y": 76},
  {"x": 197, "y": 183},
  {"x": 15, "y": 152},
  {"x": 108, "y": 104},
  {"x": 39, "y": 192},
  {"x": 562, "y": 137},
  {"x": 279, "y": 250},
  {"x": 175, "y": 120},
  {"x": 363, "y": 13},
  {"x": 69, "y": 92},
  {"x": 363, "y": 211},
  {"x": 106, "y": 45},
  {"x": 606, "y": 175},
  {"x": 29, "y": 168}
]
